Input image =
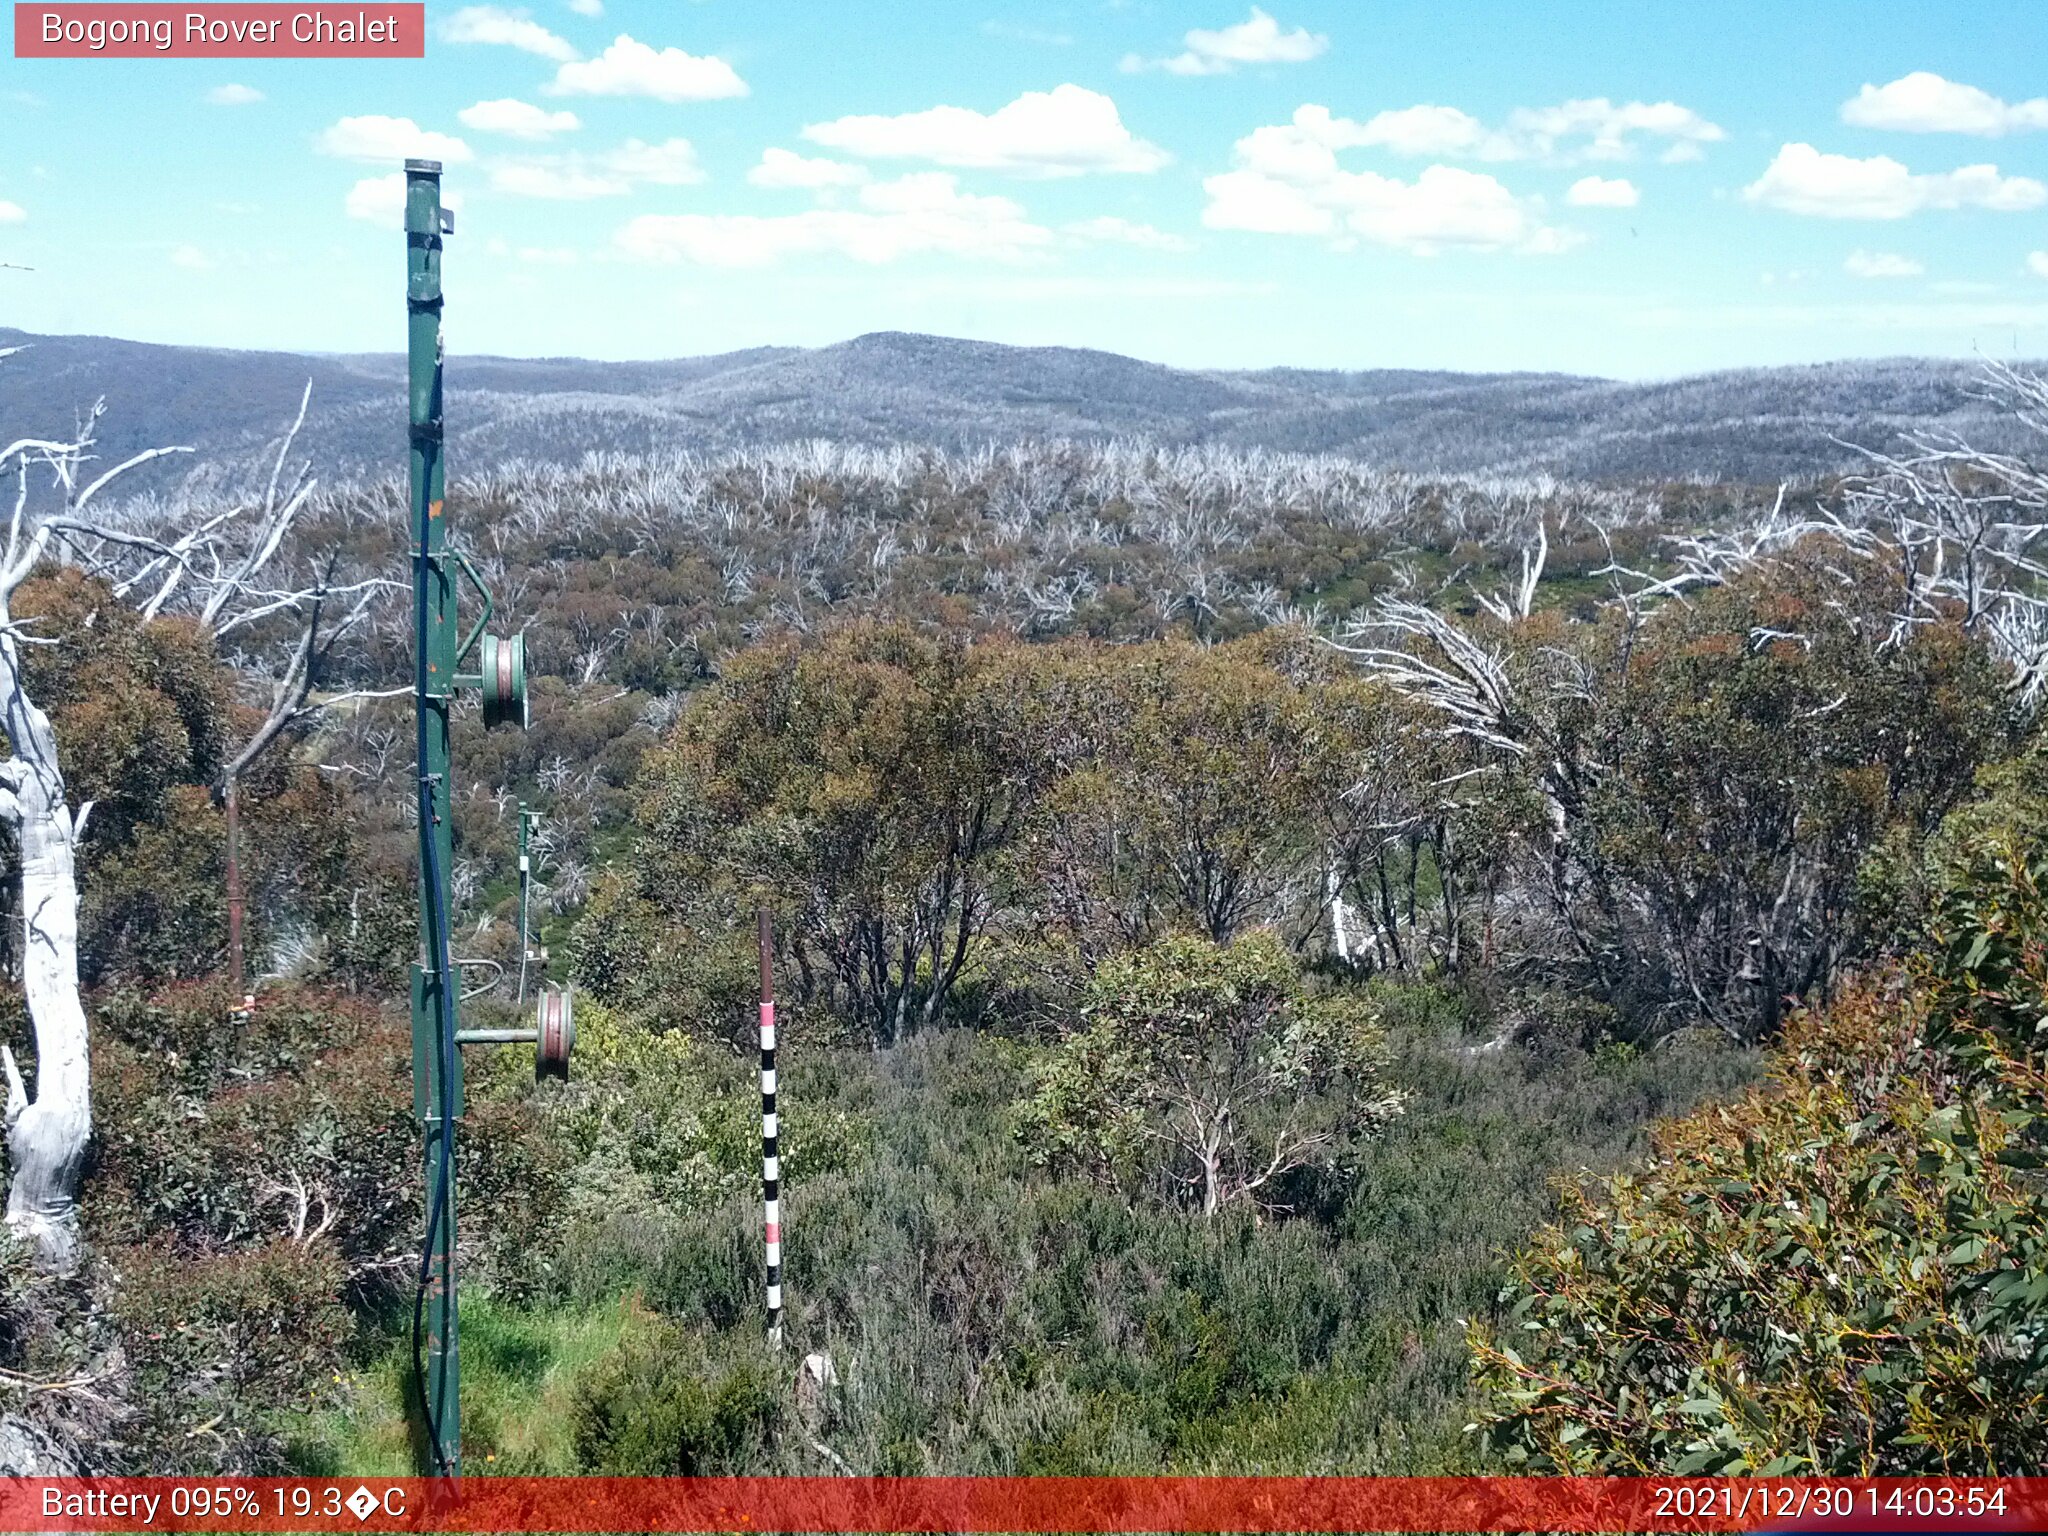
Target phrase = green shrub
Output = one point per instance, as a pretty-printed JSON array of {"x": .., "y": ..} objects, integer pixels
[
  {"x": 657, "y": 1120},
  {"x": 644, "y": 1412},
  {"x": 224, "y": 1347},
  {"x": 1845, "y": 1272},
  {"x": 1211, "y": 1074},
  {"x": 256, "y": 1203}
]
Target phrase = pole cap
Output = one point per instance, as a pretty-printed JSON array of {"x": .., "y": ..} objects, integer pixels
[{"x": 423, "y": 167}]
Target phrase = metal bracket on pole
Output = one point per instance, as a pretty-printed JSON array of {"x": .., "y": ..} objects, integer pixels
[{"x": 476, "y": 631}]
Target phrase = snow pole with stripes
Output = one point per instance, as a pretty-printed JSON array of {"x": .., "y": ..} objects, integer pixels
[{"x": 771, "y": 1161}]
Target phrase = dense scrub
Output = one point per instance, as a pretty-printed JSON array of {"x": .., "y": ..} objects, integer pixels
[
  {"x": 984, "y": 1316},
  {"x": 1663, "y": 820},
  {"x": 1847, "y": 1270},
  {"x": 146, "y": 714},
  {"x": 254, "y": 1207}
]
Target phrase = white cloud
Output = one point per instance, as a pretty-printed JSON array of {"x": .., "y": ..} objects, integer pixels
[
  {"x": 389, "y": 138},
  {"x": 1923, "y": 102},
  {"x": 1803, "y": 180},
  {"x": 925, "y": 212},
  {"x": 12, "y": 213},
  {"x": 1551, "y": 240},
  {"x": 587, "y": 7},
  {"x": 1252, "y": 200},
  {"x": 1289, "y": 185},
  {"x": 1256, "y": 40},
  {"x": 1594, "y": 128},
  {"x": 2037, "y": 261},
  {"x": 782, "y": 168},
  {"x": 1288, "y": 181},
  {"x": 1110, "y": 230},
  {"x": 234, "y": 96},
  {"x": 1881, "y": 264},
  {"x": 191, "y": 258},
  {"x": 1066, "y": 131},
  {"x": 1588, "y": 129},
  {"x": 517, "y": 119},
  {"x": 1423, "y": 130},
  {"x": 381, "y": 199},
  {"x": 671, "y": 163},
  {"x": 509, "y": 29},
  {"x": 572, "y": 178},
  {"x": 1600, "y": 192},
  {"x": 630, "y": 68}
]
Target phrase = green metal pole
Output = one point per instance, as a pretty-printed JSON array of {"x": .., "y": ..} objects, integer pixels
[{"x": 434, "y": 993}]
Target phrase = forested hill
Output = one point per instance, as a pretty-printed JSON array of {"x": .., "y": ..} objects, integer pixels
[{"x": 1752, "y": 425}]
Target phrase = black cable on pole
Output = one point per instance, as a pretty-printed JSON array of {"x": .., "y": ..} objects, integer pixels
[{"x": 444, "y": 1034}]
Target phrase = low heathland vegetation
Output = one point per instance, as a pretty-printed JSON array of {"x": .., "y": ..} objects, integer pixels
[{"x": 1284, "y": 969}]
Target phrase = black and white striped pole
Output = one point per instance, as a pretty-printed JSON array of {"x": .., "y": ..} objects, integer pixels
[{"x": 771, "y": 1160}]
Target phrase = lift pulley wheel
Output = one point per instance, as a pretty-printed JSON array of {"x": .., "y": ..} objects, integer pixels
[
  {"x": 504, "y": 680},
  {"x": 556, "y": 1034}
]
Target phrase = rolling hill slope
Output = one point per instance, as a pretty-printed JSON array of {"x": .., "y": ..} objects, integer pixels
[{"x": 1754, "y": 425}]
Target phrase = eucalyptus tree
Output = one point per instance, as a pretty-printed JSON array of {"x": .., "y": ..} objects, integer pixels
[
  {"x": 864, "y": 787},
  {"x": 1720, "y": 744}
]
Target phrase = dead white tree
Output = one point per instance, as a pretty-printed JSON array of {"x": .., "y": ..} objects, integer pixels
[
  {"x": 207, "y": 567},
  {"x": 1965, "y": 528},
  {"x": 1961, "y": 531},
  {"x": 1522, "y": 603},
  {"x": 47, "y": 1135}
]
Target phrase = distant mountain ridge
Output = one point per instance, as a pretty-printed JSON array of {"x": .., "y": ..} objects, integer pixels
[{"x": 1749, "y": 425}]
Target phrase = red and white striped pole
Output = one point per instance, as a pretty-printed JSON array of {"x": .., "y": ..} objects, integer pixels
[{"x": 771, "y": 1161}]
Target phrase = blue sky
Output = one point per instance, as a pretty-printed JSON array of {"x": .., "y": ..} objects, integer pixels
[{"x": 1641, "y": 190}]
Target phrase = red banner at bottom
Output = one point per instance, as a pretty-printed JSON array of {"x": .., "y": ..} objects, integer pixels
[{"x": 1024, "y": 1504}]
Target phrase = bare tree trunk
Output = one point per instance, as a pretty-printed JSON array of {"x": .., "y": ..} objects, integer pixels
[
  {"x": 46, "y": 1139},
  {"x": 1340, "y": 926},
  {"x": 1211, "y": 1156}
]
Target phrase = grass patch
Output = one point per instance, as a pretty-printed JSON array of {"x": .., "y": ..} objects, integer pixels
[{"x": 519, "y": 1375}]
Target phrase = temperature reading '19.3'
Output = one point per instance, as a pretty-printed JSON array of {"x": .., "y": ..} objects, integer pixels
[{"x": 303, "y": 1501}]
